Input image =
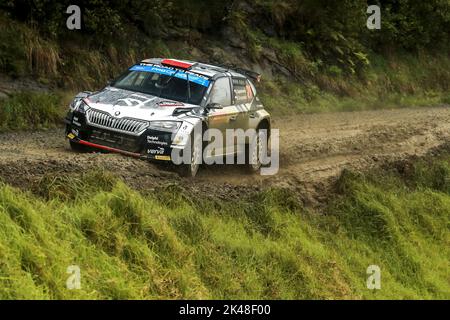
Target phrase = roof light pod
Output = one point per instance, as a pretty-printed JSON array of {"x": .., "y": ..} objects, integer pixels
[{"x": 176, "y": 64}]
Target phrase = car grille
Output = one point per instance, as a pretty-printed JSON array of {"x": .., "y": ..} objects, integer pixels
[
  {"x": 125, "y": 125},
  {"x": 115, "y": 140}
]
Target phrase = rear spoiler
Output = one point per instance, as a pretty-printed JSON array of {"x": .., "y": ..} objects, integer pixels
[{"x": 248, "y": 73}]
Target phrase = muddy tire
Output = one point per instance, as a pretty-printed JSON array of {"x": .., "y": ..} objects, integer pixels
[
  {"x": 254, "y": 152},
  {"x": 190, "y": 170}
]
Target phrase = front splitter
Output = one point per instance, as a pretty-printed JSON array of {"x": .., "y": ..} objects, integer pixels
[{"x": 73, "y": 138}]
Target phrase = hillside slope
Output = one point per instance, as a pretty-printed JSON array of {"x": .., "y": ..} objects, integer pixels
[{"x": 268, "y": 246}]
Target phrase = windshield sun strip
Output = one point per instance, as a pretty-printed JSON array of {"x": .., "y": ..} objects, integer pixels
[{"x": 195, "y": 78}]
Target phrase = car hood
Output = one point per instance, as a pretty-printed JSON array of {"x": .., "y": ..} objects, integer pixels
[{"x": 122, "y": 103}]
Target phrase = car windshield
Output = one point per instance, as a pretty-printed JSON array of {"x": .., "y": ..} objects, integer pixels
[{"x": 174, "y": 84}]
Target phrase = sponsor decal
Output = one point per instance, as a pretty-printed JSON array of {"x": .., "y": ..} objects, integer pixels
[
  {"x": 160, "y": 143},
  {"x": 166, "y": 158},
  {"x": 151, "y": 139},
  {"x": 158, "y": 151},
  {"x": 135, "y": 100},
  {"x": 155, "y": 140},
  {"x": 71, "y": 135},
  {"x": 239, "y": 82}
]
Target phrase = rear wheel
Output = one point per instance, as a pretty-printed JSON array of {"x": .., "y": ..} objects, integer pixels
[{"x": 255, "y": 151}]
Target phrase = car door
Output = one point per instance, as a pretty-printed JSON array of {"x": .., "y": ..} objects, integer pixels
[
  {"x": 243, "y": 97},
  {"x": 225, "y": 118}
]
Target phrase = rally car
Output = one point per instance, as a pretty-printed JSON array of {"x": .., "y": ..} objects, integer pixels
[{"x": 159, "y": 106}]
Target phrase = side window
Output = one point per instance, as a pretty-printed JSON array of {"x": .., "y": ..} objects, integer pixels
[
  {"x": 243, "y": 92},
  {"x": 250, "y": 92},
  {"x": 221, "y": 92}
]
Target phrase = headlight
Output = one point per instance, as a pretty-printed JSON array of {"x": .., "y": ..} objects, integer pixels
[
  {"x": 181, "y": 138},
  {"x": 79, "y": 105},
  {"x": 168, "y": 126}
]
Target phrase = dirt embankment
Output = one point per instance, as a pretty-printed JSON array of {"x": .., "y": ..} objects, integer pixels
[{"x": 314, "y": 149}]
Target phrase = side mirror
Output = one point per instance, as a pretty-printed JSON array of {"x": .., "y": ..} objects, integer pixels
[{"x": 213, "y": 105}]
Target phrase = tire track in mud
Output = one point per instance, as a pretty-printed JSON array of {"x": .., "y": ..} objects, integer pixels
[{"x": 314, "y": 149}]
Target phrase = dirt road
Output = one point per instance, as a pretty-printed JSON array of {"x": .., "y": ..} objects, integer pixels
[{"x": 314, "y": 149}]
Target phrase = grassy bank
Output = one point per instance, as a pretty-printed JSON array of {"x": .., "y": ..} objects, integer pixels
[
  {"x": 169, "y": 245},
  {"x": 32, "y": 110},
  {"x": 397, "y": 81}
]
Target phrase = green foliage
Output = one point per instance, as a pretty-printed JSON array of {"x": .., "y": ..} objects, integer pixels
[
  {"x": 131, "y": 246},
  {"x": 150, "y": 17},
  {"x": 31, "y": 110},
  {"x": 315, "y": 55},
  {"x": 406, "y": 24},
  {"x": 431, "y": 175},
  {"x": 12, "y": 52},
  {"x": 23, "y": 52},
  {"x": 333, "y": 30},
  {"x": 401, "y": 80}
]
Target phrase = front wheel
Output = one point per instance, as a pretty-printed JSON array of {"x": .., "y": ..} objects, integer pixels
[{"x": 190, "y": 169}]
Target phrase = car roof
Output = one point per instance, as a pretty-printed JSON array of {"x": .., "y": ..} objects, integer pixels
[{"x": 204, "y": 69}]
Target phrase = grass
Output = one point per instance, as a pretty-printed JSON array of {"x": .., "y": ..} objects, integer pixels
[
  {"x": 32, "y": 110},
  {"x": 282, "y": 98},
  {"x": 397, "y": 81},
  {"x": 171, "y": 245}
]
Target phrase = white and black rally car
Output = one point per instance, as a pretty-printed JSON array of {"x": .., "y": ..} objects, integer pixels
[{"x": 158, "y": 106}]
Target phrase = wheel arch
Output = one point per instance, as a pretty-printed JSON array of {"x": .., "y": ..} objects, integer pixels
[{"x": 264, "y": 124}]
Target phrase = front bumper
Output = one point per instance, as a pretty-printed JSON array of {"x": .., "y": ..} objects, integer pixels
[{"x": 150, "y": 145}]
